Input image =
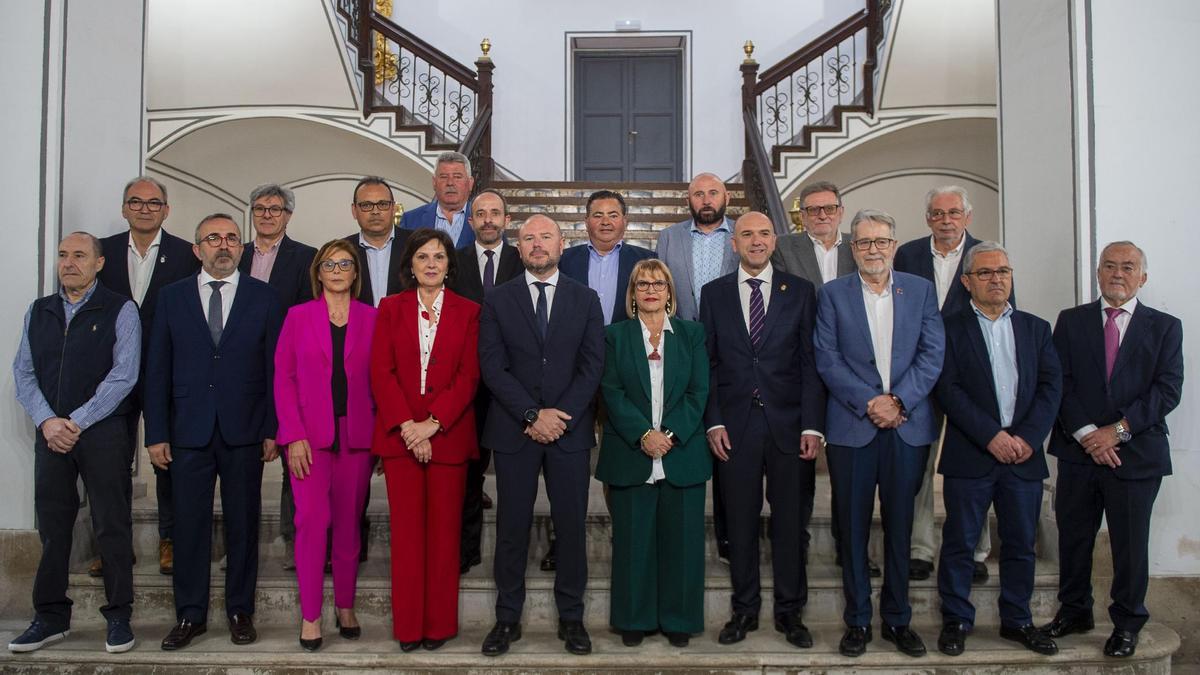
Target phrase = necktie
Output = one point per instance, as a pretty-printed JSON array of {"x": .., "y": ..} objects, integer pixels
[
  {"x": 1112, "y": 340},
  {"x": 542, "y": 313},
  {"x": 757, "y": 314},
  {"x": 489, "y": 271},
  {"x": 215, "y": 314}
]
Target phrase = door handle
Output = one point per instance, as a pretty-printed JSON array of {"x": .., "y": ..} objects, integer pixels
[{"x": 632, "y": 135}]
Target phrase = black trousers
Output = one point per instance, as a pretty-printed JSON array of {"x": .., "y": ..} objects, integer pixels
[
  {"x": 1085, "y": 493},
  {"x": 162, "y": 480},
  {"x": 472, "y": 517},
  {"x": 790, "y": 482},
  {"x": 101, "y": 457},
  {"x": 196, "y": 471}
]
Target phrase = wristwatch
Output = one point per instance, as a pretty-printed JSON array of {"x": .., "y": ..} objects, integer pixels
[
  {"x": 669, "y": 434},
  {"x": 1123, "y": 434},
  {"x": 531, "y": 415}
]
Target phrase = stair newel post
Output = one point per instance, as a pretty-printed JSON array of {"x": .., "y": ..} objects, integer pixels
[
  {"x": 749, "y": 81},
  {"x": 750, "y": 175},
  {"x": 366, "y": 53},
  {"x": 484, "y": 67}
]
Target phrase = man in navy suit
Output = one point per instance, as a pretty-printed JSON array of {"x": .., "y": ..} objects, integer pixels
[
  {"x": 1122, "y": 373},
  {"x": 939, "y": 258},
  {"x": 140, "y": 261},
  {"x": 1000, "y": 388},
  {"x": 380, "y": 243},
  {"x": 541, "y": 353},
  {"x": 282, "y": 262},
  {"x": 879, "y": 345},
  {"x": 451, "y": 206},
  {"x": 604, "y": 263},
  {"x": 209, "y": 414},
  {"x": 765, "y": 415}
]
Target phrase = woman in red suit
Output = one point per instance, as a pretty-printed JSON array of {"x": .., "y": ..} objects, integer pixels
[
  {"x": 326, "y": 422},
  {"x": 424, "y": 371}
]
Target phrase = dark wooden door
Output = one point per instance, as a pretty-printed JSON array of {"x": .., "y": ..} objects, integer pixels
[{"x": 628, "y": 117}]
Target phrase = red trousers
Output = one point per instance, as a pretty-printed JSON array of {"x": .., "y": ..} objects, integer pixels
[{"x": 425, "y": 502}]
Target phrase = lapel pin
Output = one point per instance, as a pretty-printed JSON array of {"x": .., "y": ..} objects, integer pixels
[
  {"x": 782, "y": 287},
  {"x": 162, "y": 259},
  {"x": 93, "y": 328},
  {"x": 899, "y": 291}
]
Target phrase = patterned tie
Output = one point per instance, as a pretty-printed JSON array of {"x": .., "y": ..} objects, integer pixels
[
  {"x": 215, "y": 313},
  {"x": 489, "y": 271},
  {"x": 542, "y": 313},
  {"x": 756, "y": 312},
  {"x": 1112, "y": 340}
]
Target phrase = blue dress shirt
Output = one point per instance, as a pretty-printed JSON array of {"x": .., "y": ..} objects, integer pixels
[
  {"x": 602, "y": 277},
  {"x": 1002, "y": 352},
  {"x": 451, "y": 227},
  {"x": 708, "y": 252},
  {"x": 378, "y": 261}
]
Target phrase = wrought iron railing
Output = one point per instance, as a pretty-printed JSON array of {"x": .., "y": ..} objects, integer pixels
[{"x": 761, "y": 190}]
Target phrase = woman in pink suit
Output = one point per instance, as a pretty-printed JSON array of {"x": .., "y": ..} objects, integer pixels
[
  {"x": 326, "y": 421},
  {"x": 424, "y": 371}
]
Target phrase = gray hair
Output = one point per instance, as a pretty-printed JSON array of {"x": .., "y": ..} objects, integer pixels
[
  {"x": 144, "y": 179},
  {"x": 452, "y": 157},
  {"x": 1145, "y": 260},
  {"x": 961, "y": 193},
  {"x": 875, "y": 216},
  {"x": 820, "y": 186},
  {"x": 981, "y": 247},
  {"x": 211, "y": 217},
  {"x": 275, "y": 190},
  {"x": 96, "y": 248}
]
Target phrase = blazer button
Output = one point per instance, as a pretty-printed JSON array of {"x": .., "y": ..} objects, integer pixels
[
  {"x": 212, "y": 386},
  {"x": 544, "y": 362},
  {"x": 216, "y": 356},
  {"x": 879, "y": 387}
]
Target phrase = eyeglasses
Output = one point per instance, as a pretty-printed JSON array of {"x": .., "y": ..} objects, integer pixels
[
  {"x": 829, "y": 209},
  {"x": 367, "y": 207},
  {"x": 987, "y": 274},
  {"x": 153, "y": 206},
  {"x": 938, "y": 214},
  {"x": 882, "y": 243},
  {"x": 344, "y": 265},
  {"x": 658, "y": 285},
  {"x": 275, "y": 211},
  {"x": 214, "y": 239}
]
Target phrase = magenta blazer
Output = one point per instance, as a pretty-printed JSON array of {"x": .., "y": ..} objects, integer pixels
[{"x": 304, "y": 368}]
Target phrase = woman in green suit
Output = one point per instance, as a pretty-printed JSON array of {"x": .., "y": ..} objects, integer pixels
[{"x": 655, "y": 461}]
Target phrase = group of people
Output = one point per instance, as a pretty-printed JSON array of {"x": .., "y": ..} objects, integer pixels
[{"x": 427, "y": 350}]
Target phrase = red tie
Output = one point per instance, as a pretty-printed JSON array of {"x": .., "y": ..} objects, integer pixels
[{"x": 1112, "y": 340}]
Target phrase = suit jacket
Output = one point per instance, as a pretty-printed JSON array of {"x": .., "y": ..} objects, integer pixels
[
  {"x": 966, "y": 392},
  {"x": 426, "y": 216},
  {"x": 782, "y": 369},
  {"x": 467, "y": 281},
  {"x": 394, "y": 283},
  {"x": 914, "y": 258},
  {"x": 304, "y": 369},
  {"x": 1146, "y": 384},
  {"x": 576, "y": 260},
  {"x": 627, "y": 399},
  {"x": 523, "y": 371},
  {"x": 194, "y": 387},
  {"x": 846, "y": 358},
  {"x": 675, "y": 249},
  {"x": 794, "y": 254},
  {"x": 289, "y": 275},
  {"x": 450, "y": 379}
]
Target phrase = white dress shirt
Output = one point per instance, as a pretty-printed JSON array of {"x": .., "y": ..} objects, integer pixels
[
  {"x": 944, "y": 267},
  {"x": 481, "y": 256},
  {"x": 427, "y": 331},
  {"x": 227, "y": 293},
  {"x": 533, "y": 292},
  {"x": 1122, "y": 320},
  {"x": 827, "y": 259},
  {"x": 140, "y": 267},
  {"x": 880, "y": 315},
  {"x": 656, "y": 389},
  {"x": 743, "y": 276}
]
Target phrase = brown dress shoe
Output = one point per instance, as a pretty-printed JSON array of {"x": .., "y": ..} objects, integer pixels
[
  {"x": 96, "y": 569},
  {"x": 166, "y": 557}
]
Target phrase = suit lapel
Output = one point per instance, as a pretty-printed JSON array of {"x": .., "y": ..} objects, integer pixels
[
  {"x": 121, "y": 261},
  {"x": 393, "y": 273},
  {"x": 674, "y": 369},
  {"x": 624, "y": 268},
  {"x": 635, "y": 347},
  {"x": 899, "y": 311},
  {"x": 1093, "y": 331},
  {"x": 733, "y": 299},
  {"x": 524, "y": 298},
  {"x": 355, "y": 330},
  {"x": 983, "y": 363},
  {"x": 196, "y": 309},
  {"x": 283, "y": 260},
  {"x": 510, "y": 264},
  {"x": 686, "y": 244},
  {"x": 808, "y": 258},
  {"x": 1135, "y": 334},
  {"x": 236, "y": 310},
  {"x": 469, "y": 274},
  {"x": 158, "y": 275},
  {"x": 780, "y": 294},
  {"x": 320, "y": 325},
  {"x": 845, "y": 263},
  {"x": 858, "y": 307}
]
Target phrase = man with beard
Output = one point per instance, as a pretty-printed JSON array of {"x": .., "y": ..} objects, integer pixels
[
  {"x": 482, "y": 266},
  {"x": 449, "y": 210},
  {"x": 605, "y": 262},
  {"x": 209, "y": 413}
]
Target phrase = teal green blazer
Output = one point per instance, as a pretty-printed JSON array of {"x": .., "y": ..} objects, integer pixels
[{"x": 626, "y": 390}]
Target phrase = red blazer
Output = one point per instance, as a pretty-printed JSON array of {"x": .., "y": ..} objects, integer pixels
[
  {"x": 304, "y": 368},
  {"x": 450, "y": 382}
]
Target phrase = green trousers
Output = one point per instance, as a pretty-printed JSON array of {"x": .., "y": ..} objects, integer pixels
[{"x": 658, "y": 558}]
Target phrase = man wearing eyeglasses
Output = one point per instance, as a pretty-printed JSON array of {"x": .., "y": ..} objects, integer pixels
[
  {"x": 210, "y": 413},
  {"x": 820, "y": 253},
  {"x": 938, "y": 258},
  {"x": 283, "y": 263},
  {"x": 879, "y": 419},
  {"x": 140, "y": 261},
  {"x": 380, "y": 242},
  {"x": 1000, "y": 387}
]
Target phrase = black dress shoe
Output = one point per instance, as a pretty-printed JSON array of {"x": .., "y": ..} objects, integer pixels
[
  {"x": 181, "y": 635},
  {"x": 632, "y": 638},
  {"x": 919, "y": 570},
  {"x": 575, "y": 636},
  {"x": 735, "y": 631},
  {"x": 794, "y": 630},
  {"x": 677, "y": 639},
  {"x": 905, "y": 639},
  {"x": 410, "y": 646},
  {"x": 854, "y": 642},
  {"x": 873, "y": 570},
  {"x": 1121, "y": 644},
  {"x": 979, "y": 575},
  {"x": 500, "y": 637},
  {"x": 1033, "y": 638},
  {"x": 467, "y": 562},
  {"x": 430, "y": 644},
  {"x": 953, "y": 638},
  {"x": 310, "y": 645},
  {"x": 348, "y": 632},
  {"x": 1063, "y": 625},
  {"x": 485, "y": 499},
  {"x": 550, "y": 560},
  {"x": 241, "y": 629}
]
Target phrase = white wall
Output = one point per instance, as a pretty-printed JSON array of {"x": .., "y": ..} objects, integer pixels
[
  {"x": 943, "y": 53},
  {"x": 530, "y": 51}
]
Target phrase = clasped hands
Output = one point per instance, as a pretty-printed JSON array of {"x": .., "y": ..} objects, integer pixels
[
  {"x": 884, "y": 412},
  {"x": 550, "y": 425},
  {"x": 416, "y": 436},
  {"x": 655, "y": 444},
  {"x": 1009, "y": 449},
  {"x": 61, "y": 434},
  {"x": 1101, "y": 446}
]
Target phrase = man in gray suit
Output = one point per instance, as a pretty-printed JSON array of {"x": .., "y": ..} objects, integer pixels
[
  {"x": 697, "y": 250},
  {"x": 821, "y": 253}
]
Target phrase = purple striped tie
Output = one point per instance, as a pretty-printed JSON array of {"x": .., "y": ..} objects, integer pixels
[
  {"x": 757, "y": 314},
  {"x": 1112, "y": 340}
]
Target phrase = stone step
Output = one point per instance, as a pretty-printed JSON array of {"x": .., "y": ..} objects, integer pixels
[{"x": 539, "y": 650}]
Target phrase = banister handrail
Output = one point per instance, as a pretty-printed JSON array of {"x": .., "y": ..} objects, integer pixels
[
  {"x": 423, "y": 49},
  {"x": 757, "y": 174},
  {"x": 813, "y": 50},
  {"x": 477, "y": 148}
]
